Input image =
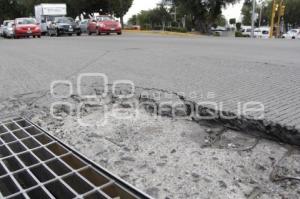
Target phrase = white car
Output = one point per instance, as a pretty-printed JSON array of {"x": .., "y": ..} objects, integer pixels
[
  {"x": 8, "y": 31},
  {"x": 246, "y": 31},
  {"x": 262, "y": 32},
  {"x": 3, "y": 26},
  {"x": 292, "y": 34},
  {"x": 83, "y": 25},
  {"x": 219, "y": 29}
]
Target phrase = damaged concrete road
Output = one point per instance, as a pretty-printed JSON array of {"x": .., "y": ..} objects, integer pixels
[
  {"x": 234, "y": 70},
  {"x": 167, "y": 157}
]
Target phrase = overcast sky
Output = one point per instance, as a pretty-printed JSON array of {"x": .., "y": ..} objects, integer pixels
[{"x": 138, "y": 5}]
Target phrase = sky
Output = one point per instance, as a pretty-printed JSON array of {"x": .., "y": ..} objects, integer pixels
[{"x": 138, "y": 5}]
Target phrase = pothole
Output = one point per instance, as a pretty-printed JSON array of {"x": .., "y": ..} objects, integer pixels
[{"x": 140, "y": 140}]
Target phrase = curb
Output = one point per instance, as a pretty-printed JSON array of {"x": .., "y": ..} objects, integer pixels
[{"x": 164, "y": 33}]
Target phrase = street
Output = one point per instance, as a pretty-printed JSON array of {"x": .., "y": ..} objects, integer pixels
[
  {"x": 228, "y": 69},
  {"x": 157, "y": 99},
  {"x": 201, "y": 159}
]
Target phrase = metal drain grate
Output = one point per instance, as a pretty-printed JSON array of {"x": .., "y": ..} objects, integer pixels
[{"x": 33, "y": 164}]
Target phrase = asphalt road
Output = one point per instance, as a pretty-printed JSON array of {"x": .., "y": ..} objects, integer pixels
[{"x": 229, "y": 69}]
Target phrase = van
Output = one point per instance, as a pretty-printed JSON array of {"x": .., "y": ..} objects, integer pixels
[{"x": 45, "y": 14}]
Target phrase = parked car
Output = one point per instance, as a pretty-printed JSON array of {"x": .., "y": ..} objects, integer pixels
[
  {"x": 104, "y": 24},
  {"x": 246, "y": 31},
  {"x": 26, "y": 27},
  {"x": 292, "y": 34},
  {"x": 219, "y": 30},
  {"x": 64, "y": 26},
  {"x": 3, "y": 25},
  {"x": 83, "y": 25},
  {"x": 262, "y": 32},
  {"x": 8, "y": 30}
]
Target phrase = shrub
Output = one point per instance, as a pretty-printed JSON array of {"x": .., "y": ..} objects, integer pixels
[
  {"x": 171, "y": 29},
  {"x": 146, "y": 27},
  {"x": 157, "y": 28},
  {"x": 238, "y": 26},
  {"x": 176, "y": 29},
  {"x": 216, "y": 34},
  {"x": 174, "y": 24},
  {"x": 238, "y": 34}
]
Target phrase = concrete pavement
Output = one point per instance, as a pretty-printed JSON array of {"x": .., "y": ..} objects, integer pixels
[{"x": 229, "y": 70}]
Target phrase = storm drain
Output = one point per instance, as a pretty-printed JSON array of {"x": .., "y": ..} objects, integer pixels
[{"x": 33, "y": 164}]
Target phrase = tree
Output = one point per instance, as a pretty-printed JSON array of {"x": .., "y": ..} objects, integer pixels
[
  {"x": 155, "y": 18},
  {"x": 266, "y": 12},
  {"x": 120, "y": 8},
  {"x": 161, "y": 16},
  {"x": 247, "y": 12},
  {"x": 11, "y": 9},
  {"x": 238, "y": 26},
  {"x": 292, "y": 13},
  {"x": 204, "y": 13},
  {"x": 220, "y": 21},
  {"x": 232, "y": 21},
  {"x": 133, "y": 20}
]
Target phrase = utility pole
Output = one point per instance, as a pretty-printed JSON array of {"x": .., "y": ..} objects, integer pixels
[
  {"x": 280, "y": 17},
  {"x": 278, "y": 20},
  {"x": 253, "y": 18},
  {"x": 261, "y": 10}
]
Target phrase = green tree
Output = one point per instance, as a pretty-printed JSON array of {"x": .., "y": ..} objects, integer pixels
[
  {"x": 204, "y": 13},
  {"x": 154, "y": 18},
  {"x": 232, "y": 21},
  {"x": 247, "y": 12},
  {"x": 292, "y": 13},
  {"x": 266, "y": 12},
  {"x": 11, "y": 9},
  {"x": 120, "y": 8},
  {"x": 220, "y": 21},
  {"x": 133, "y": 20}
]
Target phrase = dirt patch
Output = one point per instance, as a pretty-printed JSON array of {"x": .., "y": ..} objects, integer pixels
[{"x": 165, "y": 156}]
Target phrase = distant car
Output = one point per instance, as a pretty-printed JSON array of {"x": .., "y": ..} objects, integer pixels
[
  {"x": 104, "y": 24},
  {"x": 246, "y": 32},
  {"x": 262, "y": 32},
  {"x": 219, "y": 30},
  {"x": 1, "y": 30},
  {"x": 8, "y": 30},
  {"x": 26, "y": 27},
  {"x": 83, "y": 25},
  {"x": 5, "y": 23},
  {"x": 64, "y": 26},
  {"x": 292, "y": 34}
]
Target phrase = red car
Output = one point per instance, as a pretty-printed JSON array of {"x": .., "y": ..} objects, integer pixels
[
  {"x": 104, "y": 24},
  {"x": 26, "y": 27}
]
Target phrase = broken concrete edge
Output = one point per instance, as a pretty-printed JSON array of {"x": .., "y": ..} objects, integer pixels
[{"x": 265, "y": 128}]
